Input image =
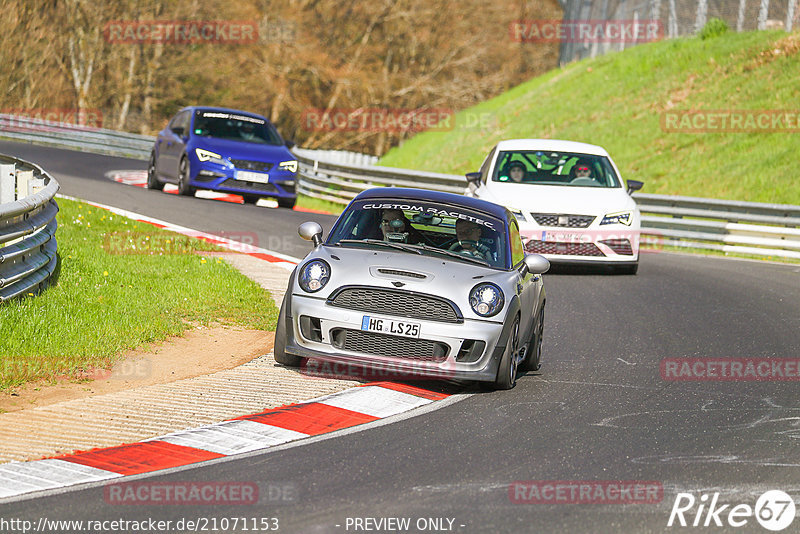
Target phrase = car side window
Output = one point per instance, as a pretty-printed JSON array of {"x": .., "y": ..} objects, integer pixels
[
  {"x": 517, "y": 251},
  {"x": 181, "y": 120}
]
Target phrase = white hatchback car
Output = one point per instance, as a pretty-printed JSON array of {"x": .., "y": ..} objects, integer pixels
[{"x": 568, "y": 198}]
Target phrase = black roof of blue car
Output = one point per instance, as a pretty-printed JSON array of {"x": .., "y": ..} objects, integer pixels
[{"x": 395, "y": 193}]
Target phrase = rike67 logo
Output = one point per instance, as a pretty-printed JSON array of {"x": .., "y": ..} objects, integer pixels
[{"x": 774, "y": 510}]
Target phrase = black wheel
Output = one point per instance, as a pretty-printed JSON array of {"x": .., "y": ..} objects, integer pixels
[
  {"x": 281, "y": 333},
  {"x": 507, "y": 370},
  {"x": 628, "y": 269},
  {"x": 183, "y": 179},
  {"x": 250, "y": 199},
  {"x": 152, "y": 180},
  {"x": 533, "y": 359},
  {"x": 287, "y": 202}
]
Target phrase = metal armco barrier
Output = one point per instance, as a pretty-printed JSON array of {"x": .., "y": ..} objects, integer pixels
[
  {"x": 338, "y": 176},
  {"x": 28, "y": 225}
]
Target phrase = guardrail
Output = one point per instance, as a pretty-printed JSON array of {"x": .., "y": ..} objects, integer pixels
[
  {"x": 685, "y": 222},
  {"x": 338, "y": 176},
  {"x": 76, "y": 137},
  {"x": 28, "y": 259}
]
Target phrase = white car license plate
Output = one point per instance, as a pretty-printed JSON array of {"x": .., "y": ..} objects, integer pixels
[
  {"x": 389, "y": 326},
  {"x": 250, "y": 176},
  {"x": 566, "y": 237}
]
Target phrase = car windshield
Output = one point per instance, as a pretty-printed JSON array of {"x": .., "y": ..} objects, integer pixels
[
  {"x": 554, "y": 168},
  {"x": 423, "y": 227},
  {"x": 235, "y": 127}
]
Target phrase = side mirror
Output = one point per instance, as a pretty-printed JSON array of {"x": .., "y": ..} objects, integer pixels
[
  {"x": 311, "y": 231},
  {"x": 288, "y": 143},
  {"x": 178, "y": 130},
  {"x": 473, "y": 178},
  {"x": 634, "y": 185},
  {"x": 534, "y": 264}
]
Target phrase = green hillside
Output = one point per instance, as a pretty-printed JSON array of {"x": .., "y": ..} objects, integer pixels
[{"x": 617, "y": 101}]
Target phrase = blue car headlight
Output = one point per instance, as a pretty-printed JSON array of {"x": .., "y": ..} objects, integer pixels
[
  {"x": 207, "y": 155},
  {"x": 623, "y": 217},
  {"x": 486, "y": 299},
  {"x": 290, "y": 165},
  {"x": 314, "y": 275}
]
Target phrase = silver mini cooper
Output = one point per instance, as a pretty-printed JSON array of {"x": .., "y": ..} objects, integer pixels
[{"x": 429, "y": 284}]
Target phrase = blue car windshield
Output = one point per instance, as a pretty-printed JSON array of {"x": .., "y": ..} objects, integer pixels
[
  {"x": 233, "y": 127},
  {"x": 425, "y": 228}
]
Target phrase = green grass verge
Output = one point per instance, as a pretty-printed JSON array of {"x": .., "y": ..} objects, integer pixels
[
  {"x": 317, "y": 204},
  {"x": 617, "y": 101},
  {"x": 109, "y": 299}
]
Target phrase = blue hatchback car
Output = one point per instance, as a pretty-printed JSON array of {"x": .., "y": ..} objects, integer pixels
[{"x": 224, "y": 150}]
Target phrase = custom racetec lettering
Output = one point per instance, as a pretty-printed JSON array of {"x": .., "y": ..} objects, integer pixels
[{"x": 431, "y": 210}]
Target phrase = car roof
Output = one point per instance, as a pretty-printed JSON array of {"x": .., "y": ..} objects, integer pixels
[
  {"x": 403, "y": 193},
  {"x": 226, "y": 110},
  {"x": 555, "y": 145}
]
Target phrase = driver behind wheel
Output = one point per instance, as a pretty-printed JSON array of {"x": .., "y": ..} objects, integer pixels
[{"x": 468, "y": 235}]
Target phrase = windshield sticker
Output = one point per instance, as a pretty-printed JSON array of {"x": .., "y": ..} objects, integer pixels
[
  {"x": 430, "y": 210},
  {"x": 217, "y": 115}
]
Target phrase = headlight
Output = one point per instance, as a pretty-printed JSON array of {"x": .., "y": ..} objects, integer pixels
[
  {"x": 207, "y": 155},
  {"x": 486, "y": 299},
  {"x": 314, "y": 275},
  {"x": 623, "y": 217},
  {"x": 290, "y": 165}
]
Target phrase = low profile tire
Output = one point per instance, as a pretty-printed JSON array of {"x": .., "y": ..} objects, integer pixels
[
  {"x": 184, "y": 188},
  {"x": 250, "y": 199},
  {"x": 533, "y": 359},
  {"x": 281, "y": 333},
  {"x": 152, "y": 180},
  {"x": 628, "y": 269},
  {"x": 287, "y": 202},
  {"x": 507, "y": 370}
]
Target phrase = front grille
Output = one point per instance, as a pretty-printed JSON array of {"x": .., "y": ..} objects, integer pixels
[
  {"x": 564, "y": 249},
  {"x": 394, "y": 302},
  {"x": 391, "y": 346},
  {"x": 251, "y": 165},
  {"x": 620, "y": 246},
  {"x": 572, "y": 221},
  {"x": 287, "y": 186},
  {"x": 250, "y": 186},
  {"x": 395, "y": 272}
]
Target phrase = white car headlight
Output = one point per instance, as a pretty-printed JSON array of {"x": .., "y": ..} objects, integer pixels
[
  {"x": 290, "y": 165},
  {"x": 486, "y": 299},
  {"x": 314, "y": 275},
  {"x": 623, "y": 217},
  {"x": 207, "y": 155}
]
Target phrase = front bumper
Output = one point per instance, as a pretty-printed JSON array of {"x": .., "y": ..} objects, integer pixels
[
  {"x": 331, "y": 322},
  {"x": 222, "y": 178},
  {"x": 584, "y": 245}
]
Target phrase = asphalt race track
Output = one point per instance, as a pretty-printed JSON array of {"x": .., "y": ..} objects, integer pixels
[{"x": 599, "y": 410}]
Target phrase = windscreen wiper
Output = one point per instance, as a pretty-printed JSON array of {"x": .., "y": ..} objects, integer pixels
[
  {"x": 452, "y": 254},
  {"x": 399, "y": 246}
]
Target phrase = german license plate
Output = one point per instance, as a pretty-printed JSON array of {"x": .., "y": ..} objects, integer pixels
[
  {"x": 389, "y": 326},
  {"x": 565, "y": 237},
  {"x": 250, "y": 176}
]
